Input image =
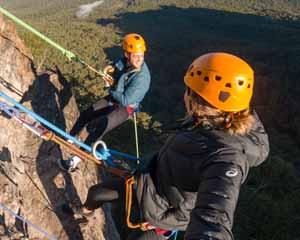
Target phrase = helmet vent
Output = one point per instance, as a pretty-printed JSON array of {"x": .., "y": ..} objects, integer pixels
[
  {"x": 241, "y": 82},
  {"x": 249, "y": 85},
  {"x": 137, "y": 37},
  {"x": 131, "y": 46},
  {"x": 190, "y": 68},
  {"x": 218, "y": 78},
  {"x": 206, "y": 79},
  {"x": 199, "y": 73},
  {"x": 228, "y": 85},
  {"x": 192, "y": 74}
]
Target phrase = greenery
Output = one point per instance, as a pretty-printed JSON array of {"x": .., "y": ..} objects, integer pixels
[{"x": 265, "y": 33}]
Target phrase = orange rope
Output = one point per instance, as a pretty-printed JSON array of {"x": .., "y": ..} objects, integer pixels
[{"x": 50, "y": 136}]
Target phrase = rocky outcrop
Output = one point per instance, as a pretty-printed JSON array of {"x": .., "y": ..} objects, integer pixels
[{"x": 31, "y": 182}]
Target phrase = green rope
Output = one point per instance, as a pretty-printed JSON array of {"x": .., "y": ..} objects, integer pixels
[{"x": 67, "y": 53}]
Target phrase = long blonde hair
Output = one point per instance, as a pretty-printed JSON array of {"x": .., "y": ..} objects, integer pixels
[{"x": 231, "y": 122}]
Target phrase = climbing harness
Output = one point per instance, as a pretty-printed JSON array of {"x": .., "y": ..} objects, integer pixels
[
  {"x": 70, "y": 55},
  {"x": 44, "y": 233},
  {"x": 145, "y": 226}
]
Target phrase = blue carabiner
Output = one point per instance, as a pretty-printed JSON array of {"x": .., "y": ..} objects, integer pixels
[{"x": 11, "y": 111}]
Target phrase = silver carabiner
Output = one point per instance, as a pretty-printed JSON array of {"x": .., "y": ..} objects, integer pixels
[{"x": 94, "y": 148}]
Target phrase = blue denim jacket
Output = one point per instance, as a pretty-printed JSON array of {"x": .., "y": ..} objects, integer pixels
[{"x": 132, "y": 86}]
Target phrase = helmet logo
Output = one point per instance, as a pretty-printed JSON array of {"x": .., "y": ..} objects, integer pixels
[
  {"x": 231, "y": 173},
  {"x": 223, "y": 96}
]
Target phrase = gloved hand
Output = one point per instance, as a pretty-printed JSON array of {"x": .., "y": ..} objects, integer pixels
[{"x": 109, "y": 80}]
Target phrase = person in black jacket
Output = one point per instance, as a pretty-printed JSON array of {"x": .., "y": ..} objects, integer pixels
[{"x": 192, "y": 184}]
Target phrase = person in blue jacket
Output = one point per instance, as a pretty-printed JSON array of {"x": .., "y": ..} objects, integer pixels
[{"x": 128, "y": 84}]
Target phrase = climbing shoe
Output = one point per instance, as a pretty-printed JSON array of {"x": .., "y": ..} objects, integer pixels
[{"x": 70, "y": 164}]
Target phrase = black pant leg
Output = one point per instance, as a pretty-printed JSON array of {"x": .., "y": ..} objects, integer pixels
[
  {"x": 98, "y": 109},
  {"x": 105, "y": 192},
  {"x": 115, "y": 119},
  {"x": 107, "y": 123}
]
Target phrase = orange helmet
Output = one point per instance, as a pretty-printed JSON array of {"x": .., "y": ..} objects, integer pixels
[
  {"x": 133, "y": 43},
  {"x": 223, "y": 80}
]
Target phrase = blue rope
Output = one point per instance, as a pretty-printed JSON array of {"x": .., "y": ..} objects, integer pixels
[
  {"x": 173, "y": 234},
  {"x": 114, "y": 152},
  {"x": 105, "y": 155},
  {"x": 29, "y": 223}
]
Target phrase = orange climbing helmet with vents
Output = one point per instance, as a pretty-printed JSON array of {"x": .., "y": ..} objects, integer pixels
[
  {"x": 134, "y": 43},
  {"x": 223, "y": 80}
]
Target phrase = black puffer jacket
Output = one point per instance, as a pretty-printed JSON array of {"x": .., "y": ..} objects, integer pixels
[{"x": 195, "y": 181}]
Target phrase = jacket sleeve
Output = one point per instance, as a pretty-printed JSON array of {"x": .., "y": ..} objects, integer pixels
[
  {"x": 134, "y": 92},
  {"x": 212, "y": 216}
]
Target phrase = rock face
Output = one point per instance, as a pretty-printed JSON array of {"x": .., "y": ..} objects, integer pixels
[{"x": 31, "y": 183}]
